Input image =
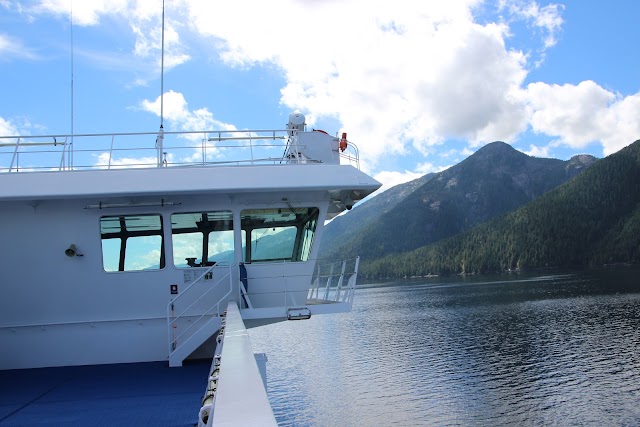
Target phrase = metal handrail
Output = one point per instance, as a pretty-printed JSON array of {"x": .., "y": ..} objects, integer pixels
[
  {"x": 327, "y": 282},
  {"x": 30, "y": 147},
  {"x": 172, "y": 318},
  {"x": 341, "y": 292}
]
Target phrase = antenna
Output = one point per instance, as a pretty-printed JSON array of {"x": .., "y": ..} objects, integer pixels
[
  {"x": 162, "y": 73},
  {"x": 160, "y": 138},
  {"x": 70, "y": 152}
]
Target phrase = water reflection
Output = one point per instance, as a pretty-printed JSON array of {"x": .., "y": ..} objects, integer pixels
[{"x": 520, "y": 349}]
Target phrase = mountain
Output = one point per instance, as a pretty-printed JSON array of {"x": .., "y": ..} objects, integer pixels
[
  {"x": 347, "y": 227},
  {"x": 494, "y": 180},
  {"x": 593, "y": 219}
]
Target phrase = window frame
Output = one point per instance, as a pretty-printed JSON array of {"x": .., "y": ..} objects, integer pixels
[
  {"x": 252, "y": 220},
  {"x": 124, "y": 234},
  {"x": 206, "y": 232}
]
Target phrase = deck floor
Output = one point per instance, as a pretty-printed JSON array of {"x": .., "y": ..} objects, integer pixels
[{"x": 133, "y": 394}]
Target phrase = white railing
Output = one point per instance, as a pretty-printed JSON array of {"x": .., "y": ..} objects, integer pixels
[
  {"x": 329, "y": 283},
  {"x": 196, "y": 304},
  {"x": 151, "y": 150}
]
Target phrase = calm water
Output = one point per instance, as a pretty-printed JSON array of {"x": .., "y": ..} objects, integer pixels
[{"x": 557, "y": 349}]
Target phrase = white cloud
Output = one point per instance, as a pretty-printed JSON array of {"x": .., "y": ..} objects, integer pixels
[
  {"x": 399, "y": 76},
  {"x": 148, "y": 43},
  {"x": 623, "y": 117},
  {"x": 143, "y": 17},
  {"x": 105, "y": 161},
  {"x": 13, "y": 48},
  {"x": 425, "y": 168},
  {"x": 546, "y": 18},
  {"x": 390, "y": 179},
  {"x": 7, "y": 128},
  {"x": 85, "y": 12},
  {"x": 176, "y": 111},
  {"x": 583, "y": 114},
  {"x": 536, "y": 151}
]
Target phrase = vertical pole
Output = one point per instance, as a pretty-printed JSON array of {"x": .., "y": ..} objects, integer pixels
[
  {"x": 70, "y": 153},
  {"x": 326, "y": 289},
  {"x": 160, "y": 139},
  {"x": 339, "y": 287},
  {"x": 355, "y": 280}
]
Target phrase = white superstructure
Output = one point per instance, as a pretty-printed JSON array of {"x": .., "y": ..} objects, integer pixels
[{"x": 127, "y": 247}]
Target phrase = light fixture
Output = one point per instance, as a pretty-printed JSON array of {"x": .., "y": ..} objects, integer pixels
[{"x": 72, "y": 251}]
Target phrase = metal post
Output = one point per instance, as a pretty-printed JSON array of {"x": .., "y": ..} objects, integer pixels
[
  {"x": 339, "y": 287},
  {"x": 326, "y": 289}
]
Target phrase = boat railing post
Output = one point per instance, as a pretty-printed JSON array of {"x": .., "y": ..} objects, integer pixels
[
  {"x": 160, "y": 145},
  {"x": 317, "y": 282},
  {"x": 113, "y": 138},
  {"x": 14, "y": 158},
  {"x": 251, "y": 148},
  {"x": 203, "y": 150},
  {"x": 284, "y": 282},
  {"x": 328, "y": 286},
  {"x": 64, "y": 147},
  {"x": 294, "y": 144},
  {"x": 355, "y": 279},
  {"x": 336, "y": 297},
  {"x": 70, "y": 154}
]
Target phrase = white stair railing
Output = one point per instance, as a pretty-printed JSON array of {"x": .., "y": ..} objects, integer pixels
[{"x": 188, "y": 312}]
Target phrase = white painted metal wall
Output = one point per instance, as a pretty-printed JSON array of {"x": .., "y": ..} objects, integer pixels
[{"x": 58, "y": 310}]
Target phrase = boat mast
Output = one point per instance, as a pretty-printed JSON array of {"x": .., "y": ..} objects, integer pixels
[
  {"x": 160, "y": 139},
  {"x": 70, "y": 151}
]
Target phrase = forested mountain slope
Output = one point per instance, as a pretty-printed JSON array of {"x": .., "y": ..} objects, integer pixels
[
  {"x": 347, "y": 227},
  {"x": 492, "y": 181},
  {"x": 593, "y": 219}
]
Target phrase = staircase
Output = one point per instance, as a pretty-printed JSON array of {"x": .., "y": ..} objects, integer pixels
[{"x": 194, "y": 315}]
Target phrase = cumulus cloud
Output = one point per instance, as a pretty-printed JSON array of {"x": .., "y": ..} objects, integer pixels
[
  {"x": 538, "y": 151},
  {"x": 176, "y": 111},
  {"x": 106, "y": 161},
  {"x": 583, "y": 114},
  {"x": 390, "y": 179},
  {"x": 402, "y": 76},
  {"x": 7, "y": 128}
]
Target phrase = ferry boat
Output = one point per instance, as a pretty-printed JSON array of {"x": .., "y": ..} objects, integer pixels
[{"x": 165, "y": 246}]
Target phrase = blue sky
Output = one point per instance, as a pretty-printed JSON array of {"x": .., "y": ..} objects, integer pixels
[{"x": 418, "y": 86}]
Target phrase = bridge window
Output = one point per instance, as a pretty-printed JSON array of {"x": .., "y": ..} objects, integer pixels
[
  {"x": 279, "y": 234},
  {"x": 202, "y": 236},
  {"x": 132, "y": 242}
]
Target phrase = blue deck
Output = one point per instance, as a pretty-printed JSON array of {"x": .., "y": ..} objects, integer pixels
[{"x": 135, "y": 394}]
